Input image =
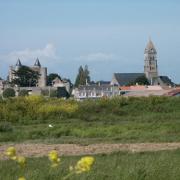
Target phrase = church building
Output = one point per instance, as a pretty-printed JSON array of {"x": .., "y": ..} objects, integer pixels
[{"x": 150, "y": 71}]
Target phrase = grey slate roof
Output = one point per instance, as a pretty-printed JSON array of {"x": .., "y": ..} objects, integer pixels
[
  {"x": 124, "y": 79},
  {"x": 166, "y": 80}
]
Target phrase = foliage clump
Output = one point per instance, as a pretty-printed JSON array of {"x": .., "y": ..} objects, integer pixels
[
  {"x": 83, "y": 76},
  {"x": 25, "y": 77},
  {"x": 9, "y": 92},
  {"x": 6, "y": 127}
]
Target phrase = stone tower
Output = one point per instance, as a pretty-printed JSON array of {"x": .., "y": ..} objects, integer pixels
[
  {"x": 150, "y": 62},
  {"x": 42, "y": 71},
  {"x": 14, "y": 68}
]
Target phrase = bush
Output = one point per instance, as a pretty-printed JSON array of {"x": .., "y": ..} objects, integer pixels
[
  {"x": 53, "y": 93},
  {"x": 23, "y": 92},
  {"x": 5, "y": 127},
  {"x": 9, "y": 92}
]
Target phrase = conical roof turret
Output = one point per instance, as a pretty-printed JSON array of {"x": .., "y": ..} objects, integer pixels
[
  {"x": 37, "y": 63},
  {"x": 18, "y": 63}
]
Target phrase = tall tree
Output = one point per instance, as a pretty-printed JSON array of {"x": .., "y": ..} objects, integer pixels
[
  {"x": 25, "y": 77},
  {"x": 87, "y": 74},
  {"x": 51, "y": 77},
  {"x": 82, "y": 76}
]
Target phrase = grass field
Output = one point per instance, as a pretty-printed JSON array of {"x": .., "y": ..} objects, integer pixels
[
  {"x": 117, "y": 120},
  {"x": 118, "y": 166},
  {"x": 153, "y": 119},
  {"x": 92, "y": 132}
]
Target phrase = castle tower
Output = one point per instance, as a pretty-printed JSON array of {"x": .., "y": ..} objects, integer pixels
[
  {"x": 150, "y": 62},
  {"x": 42, "y": 71},
  {"x": 14, "y": 68}
]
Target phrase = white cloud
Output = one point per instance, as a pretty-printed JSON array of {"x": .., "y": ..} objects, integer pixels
[
  {"x": 45, "y": 55},
  {"x": 99, "y": 56}
]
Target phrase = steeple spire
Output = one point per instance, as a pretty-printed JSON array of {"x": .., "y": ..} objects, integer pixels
[
  {"x": 37, "y": 63},
  {"x": 150, "y": 47}
]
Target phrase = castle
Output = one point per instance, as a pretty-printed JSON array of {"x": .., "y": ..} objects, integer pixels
[
  {"x": 150, "y": 71},
  {"x": 37, "y": 67}
]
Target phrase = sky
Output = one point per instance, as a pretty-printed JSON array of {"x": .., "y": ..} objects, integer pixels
[{"x": 108, "y": 35}]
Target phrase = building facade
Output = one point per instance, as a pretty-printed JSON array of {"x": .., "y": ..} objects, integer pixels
[{"x": 95, "y": 91}]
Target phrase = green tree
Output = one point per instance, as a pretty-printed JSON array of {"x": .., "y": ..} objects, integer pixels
[
  {"x": 25, "y": 77},
  {"x": 141, "y": 80},
  {"x": 82, "y": 76},
  {"x": 87, "y": 74},
  {"x": 51, "y": 77},
  {"x": 79, "y": 76},
  {"x": 9, "y": 92}
]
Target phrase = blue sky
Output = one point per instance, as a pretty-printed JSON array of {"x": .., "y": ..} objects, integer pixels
[{"x": 107, "y": 35}]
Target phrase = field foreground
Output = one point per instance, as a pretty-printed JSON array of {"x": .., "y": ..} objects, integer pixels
[
  {"x": 115, "y": 166},
  {"x": 40, "y": 150}
]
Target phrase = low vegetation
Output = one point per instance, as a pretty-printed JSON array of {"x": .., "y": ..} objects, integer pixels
[
  {"x": 137, "y": 166},
  {"x": 153, "y": 119},
  {"x": 9, "y": 92},
  {"x": 83, "y": 165}
]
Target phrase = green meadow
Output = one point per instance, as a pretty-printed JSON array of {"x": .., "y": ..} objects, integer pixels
[
  {"x": 117, "y": 120},
  {"x": 152, "y": 119}
]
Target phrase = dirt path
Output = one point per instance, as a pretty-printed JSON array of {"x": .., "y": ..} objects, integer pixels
[{"x": 37, "y": 150}]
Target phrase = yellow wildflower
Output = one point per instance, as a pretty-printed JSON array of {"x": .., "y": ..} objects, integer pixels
[
  {"x": 84, "y": 164},
  {"x": 53, "y": 157},
  {"x": 21, "y": 161},
  {"x": 11, "y": 153},
  {"x": 22, "y": 178}
]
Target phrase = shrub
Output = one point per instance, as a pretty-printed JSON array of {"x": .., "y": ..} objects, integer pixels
[
  {"x": 23, "y": 92},
  {"x": 53, "y": 93},
  {"x": 9, "y": 92},
  {"x": 5, "y": 127}
]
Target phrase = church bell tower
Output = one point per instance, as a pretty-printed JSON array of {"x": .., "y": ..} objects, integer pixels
[{"x": 150, "y": 62}]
